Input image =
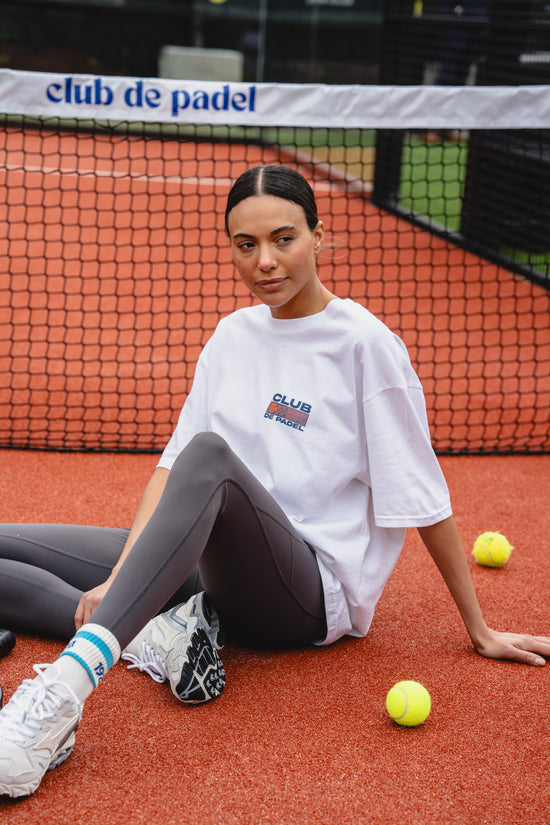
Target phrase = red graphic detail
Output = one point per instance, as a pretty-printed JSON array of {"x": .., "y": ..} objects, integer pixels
[{"x": 296, "y": 416}]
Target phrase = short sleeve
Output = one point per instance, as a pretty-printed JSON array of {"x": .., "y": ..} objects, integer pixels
[
  {"x": 193, "y": 417},
  {"x": 408, "y": 486}
]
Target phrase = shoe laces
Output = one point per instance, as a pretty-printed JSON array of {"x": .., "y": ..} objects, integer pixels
[
  {"x": 35, "y": 701},
  {"x": 148, "y": 662}
]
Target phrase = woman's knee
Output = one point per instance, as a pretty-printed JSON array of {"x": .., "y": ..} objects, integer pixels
[
  {"x": 207, "y": 454},
  {"x": 209, "y": 442}
]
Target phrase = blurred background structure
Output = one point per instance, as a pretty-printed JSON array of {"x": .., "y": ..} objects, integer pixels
[
  {"x": 332, "y": 41},
  {"x": 286, "y": 40},
  {"x": 319, "y": 41}
]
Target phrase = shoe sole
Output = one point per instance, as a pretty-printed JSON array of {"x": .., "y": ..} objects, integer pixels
[
  {"x": 30, "y": 787},
  {"x": 202, "y": 676}
]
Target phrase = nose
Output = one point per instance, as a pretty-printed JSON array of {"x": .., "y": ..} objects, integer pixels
[{"x": 266, "y": 258}]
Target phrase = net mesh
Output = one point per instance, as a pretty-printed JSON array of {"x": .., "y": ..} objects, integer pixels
[{"x": 116, "y": 270}]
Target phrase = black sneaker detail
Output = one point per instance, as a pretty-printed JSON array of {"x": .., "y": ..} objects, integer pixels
[
  {"x": 202, "y": 675},
  {"x": 207, "y": 610}
]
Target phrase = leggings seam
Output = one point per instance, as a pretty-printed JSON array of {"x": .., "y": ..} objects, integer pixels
[
  {"x": 287, "y": 585},
  {"x": 15, "y": 577},
  {"x": 56, "y": 550},
  {"x": 169, "y": 556}
]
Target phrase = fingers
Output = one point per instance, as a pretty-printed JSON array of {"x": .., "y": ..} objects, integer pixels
[
  {"x": 529, "y": 650},
  {"x": 78, "y": 620},
  {"x": 528, "y": 657},
  {"x": 79, "y": 615},
  {"x": 533, "y": 649},
  {"x": 84, "y": 610},
  {"x": 88, "y": 604}
]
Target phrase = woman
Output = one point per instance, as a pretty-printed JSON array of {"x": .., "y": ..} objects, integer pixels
[{"x": 277, "y": 510}]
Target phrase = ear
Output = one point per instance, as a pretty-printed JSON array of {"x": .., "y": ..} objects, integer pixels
[{"x": 318, "y": 235}]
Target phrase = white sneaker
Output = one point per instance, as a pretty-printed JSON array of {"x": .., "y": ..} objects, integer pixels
[
  {"x": 37, "y": 731},
  {"x": 182, "y": 646}
]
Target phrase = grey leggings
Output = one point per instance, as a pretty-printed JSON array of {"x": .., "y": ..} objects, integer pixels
[{"x": 215, "y": 529}]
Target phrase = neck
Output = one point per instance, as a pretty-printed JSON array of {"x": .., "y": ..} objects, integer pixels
[{"x": 301, "y": 309}]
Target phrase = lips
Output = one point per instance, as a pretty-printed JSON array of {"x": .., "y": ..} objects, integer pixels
[{"x": 270, "y": 285}]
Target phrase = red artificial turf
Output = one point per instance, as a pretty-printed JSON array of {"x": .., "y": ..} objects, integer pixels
[{"x": 303, "y": 737}]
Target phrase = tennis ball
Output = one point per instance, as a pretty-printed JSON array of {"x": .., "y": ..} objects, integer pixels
[
  {"x": 492, "y": 549},
  {"x": 408, "y": 703}
]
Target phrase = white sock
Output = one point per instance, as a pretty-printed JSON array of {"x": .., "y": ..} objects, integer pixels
[
  {"x": 70, "y": 672},
  {"x": 92, "y": 651}
]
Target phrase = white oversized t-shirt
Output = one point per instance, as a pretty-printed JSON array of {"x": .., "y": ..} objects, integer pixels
[{"x": 329, "y": 415}]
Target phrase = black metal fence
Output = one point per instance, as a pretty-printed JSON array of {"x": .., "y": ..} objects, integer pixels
[
  {"x": 333, "y": 41},
  {"x": 505, "y": 211}
]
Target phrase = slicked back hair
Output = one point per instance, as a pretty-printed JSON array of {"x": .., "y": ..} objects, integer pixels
[{"x": 280, "y": 181}]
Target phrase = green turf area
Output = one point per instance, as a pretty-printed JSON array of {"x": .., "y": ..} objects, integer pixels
[
  {"x": 432, "y": 187},
  {"x": 432, "y": 180},
  {"x": 538, "y": 261}
]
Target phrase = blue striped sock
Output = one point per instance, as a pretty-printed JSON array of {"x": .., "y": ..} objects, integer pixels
[{"x": 95, "y": 649}]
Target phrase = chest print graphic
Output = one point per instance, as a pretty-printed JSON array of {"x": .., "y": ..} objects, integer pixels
[{"x": 290, "y": 412}]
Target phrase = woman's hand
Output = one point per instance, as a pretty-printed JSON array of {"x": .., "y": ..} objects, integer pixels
[
  {"x": 89, "y": 601},
  {"x": 444, "y": 545},
  {"x": 519, "y": 647}
]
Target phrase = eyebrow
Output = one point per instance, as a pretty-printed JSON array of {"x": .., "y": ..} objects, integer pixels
[{"x": 288, "y": 228}]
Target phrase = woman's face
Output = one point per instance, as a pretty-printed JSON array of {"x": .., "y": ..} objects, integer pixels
[{"x": 275, "y": 252}]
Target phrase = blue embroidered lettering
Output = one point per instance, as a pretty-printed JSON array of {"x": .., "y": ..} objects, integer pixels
[
  {"x": 97, "y": 92},
  {"x": 138, "y": 96},
  {"x": 222, "y": 100},
  {"x": 200, "y": 100}
]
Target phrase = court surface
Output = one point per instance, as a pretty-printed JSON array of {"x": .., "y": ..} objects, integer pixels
[{"x": 302, "y": 737}]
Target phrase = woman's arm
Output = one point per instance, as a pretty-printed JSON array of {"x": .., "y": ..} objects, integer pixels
[
  {"x": 444, "y": 545},
  {"x": 147, "y": 505}
]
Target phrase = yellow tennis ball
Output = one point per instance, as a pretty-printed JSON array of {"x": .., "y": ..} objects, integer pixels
[
  {"x": 408, "y": 703},
  {"x": 492, "y": 549}
]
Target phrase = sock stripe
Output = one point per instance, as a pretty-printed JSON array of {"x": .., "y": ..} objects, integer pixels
[
  {"x": 95, "y": 649},
  {"x": 99, "y": 643}
]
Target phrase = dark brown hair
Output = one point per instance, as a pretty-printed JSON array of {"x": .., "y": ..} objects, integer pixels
[{"x": 281, "y": 181}]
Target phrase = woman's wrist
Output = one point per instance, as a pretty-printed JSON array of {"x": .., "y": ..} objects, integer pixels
[{"x": 479, "y": 634}]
